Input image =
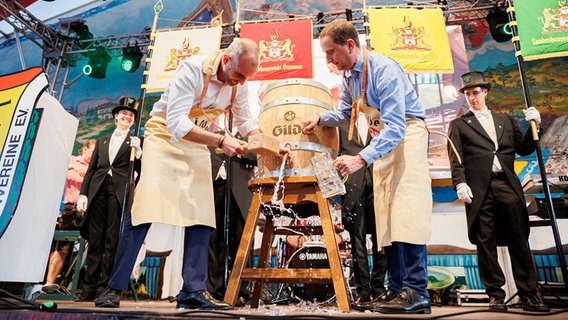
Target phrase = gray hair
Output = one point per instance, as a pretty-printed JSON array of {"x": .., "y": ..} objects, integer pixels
[{"x": 242, "y": 46}]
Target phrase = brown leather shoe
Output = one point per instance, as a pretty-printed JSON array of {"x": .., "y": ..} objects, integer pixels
[
  {"x": 532, "y": 302},
  {"x": 497, "y": 303}
]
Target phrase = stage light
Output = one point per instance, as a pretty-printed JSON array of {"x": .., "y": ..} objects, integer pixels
[
  {"x": 97, "y": 65},
  {"x": 81, "y": 30},
  {"x": 499, "y": 26},
  {"x": 131, "y": 56},
  {"x": 319, "y": 20},
  {"x": 349, "y": 14}
]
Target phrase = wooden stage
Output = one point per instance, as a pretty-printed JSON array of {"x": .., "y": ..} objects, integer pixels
[{"x": 153, "y": 309}]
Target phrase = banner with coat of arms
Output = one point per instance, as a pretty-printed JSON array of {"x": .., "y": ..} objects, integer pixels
[
  {"x": 172, "y": 47},
  {"x": 285, "y": 48},
  {"x": 543, "y": 28},
  {"x": 416, "y": 39}
]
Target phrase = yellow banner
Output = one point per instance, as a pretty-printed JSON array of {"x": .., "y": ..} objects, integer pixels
[{"x": 416, "y": 39}]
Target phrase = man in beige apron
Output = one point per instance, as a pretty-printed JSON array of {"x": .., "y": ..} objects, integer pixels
[
  {"x": 175, "y": 184},
  {"x": 377, "y": 86}
]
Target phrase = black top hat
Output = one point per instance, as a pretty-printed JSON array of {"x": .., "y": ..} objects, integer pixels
[
  {"x": 473, "y": 79},
  {"x": 126, "y": 103}
]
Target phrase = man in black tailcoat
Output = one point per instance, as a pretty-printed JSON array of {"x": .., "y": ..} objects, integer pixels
[
  {"x": 484, "y": 177},
  {"x": 102, "y": 197}
]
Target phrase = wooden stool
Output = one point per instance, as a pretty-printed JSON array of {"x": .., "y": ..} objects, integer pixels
[{"x": 297, "y": 189}]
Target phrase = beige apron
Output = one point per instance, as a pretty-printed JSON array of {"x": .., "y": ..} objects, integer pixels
[
  {"x": 402, "y": 185},
  {"x": 175, "y": 184},
  {"x": 401, "y": 178}
]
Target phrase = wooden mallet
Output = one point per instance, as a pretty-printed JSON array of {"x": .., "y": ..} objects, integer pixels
[
  {"x": 263, "y": 144},
  {"x": 260, "y": 144}
]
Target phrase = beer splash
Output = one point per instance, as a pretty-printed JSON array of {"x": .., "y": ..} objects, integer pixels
[{"x": 276, "y": 206}]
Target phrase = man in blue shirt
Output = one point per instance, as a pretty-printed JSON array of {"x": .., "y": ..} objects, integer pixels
[{"x": 377, "y": 86}]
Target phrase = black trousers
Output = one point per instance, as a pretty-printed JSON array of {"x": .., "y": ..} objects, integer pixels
[
  {"x": 361, "y": 221},
  {"x": 217, "y": 252},
  {"x": 499, "y": 213},
  {"x": 104, "y": 227}
]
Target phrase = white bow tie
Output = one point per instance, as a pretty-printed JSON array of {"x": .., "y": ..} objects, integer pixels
[
  {"x": 485, "y": 114},
  {"x": 119, "y": 134}
]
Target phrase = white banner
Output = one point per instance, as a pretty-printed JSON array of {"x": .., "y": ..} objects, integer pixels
[
  {"x": 172, "y": 47},
  {"x": 38, "y": 171}
]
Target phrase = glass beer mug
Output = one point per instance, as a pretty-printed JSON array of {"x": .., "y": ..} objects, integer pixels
[{"x": 329, "y": 181}]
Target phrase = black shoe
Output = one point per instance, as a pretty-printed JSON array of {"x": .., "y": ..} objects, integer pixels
[
  {"x": 364, "y": 297},
  {"x": 406, "y": 301},
  {"x": 241, "y": 302},
  {"x": 497, "y": 303},
  {"x": 531, "y": 302},
  {"x": 374, "y": 303},
  {"x": 201, "y": 299},
  {"x": 109, "y": 298},
  {"x": 85, "y": 297}
]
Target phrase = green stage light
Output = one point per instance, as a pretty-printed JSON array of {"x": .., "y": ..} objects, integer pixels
[
  {"x": 499, "y": 24},
  {"x": 97, "y": 65},
  {"x": 131, "y": 56}
]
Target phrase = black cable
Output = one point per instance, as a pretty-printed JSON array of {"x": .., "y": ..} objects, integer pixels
[{"x": 18, "y": 303}]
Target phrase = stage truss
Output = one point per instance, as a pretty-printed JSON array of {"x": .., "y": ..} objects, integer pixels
[{"x": 62, "y": 46}]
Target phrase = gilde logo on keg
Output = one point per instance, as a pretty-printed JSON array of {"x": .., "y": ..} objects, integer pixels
[
  {"x": 287, "y": 129},
  {"x": 289, "y": 115}
]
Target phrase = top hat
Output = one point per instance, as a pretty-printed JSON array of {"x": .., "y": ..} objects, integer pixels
[
  {"x": 126, "y": 103},
  {"x": 473, "y": 79}
]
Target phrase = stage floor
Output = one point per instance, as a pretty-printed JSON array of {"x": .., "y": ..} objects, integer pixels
[{"x": 148, "y": 309}]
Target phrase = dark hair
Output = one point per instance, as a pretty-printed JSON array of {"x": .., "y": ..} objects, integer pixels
[{"x": 340, "y": 31}]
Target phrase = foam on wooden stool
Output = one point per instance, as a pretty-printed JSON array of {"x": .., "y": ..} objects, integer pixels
[{"x": 263, "y": 144}]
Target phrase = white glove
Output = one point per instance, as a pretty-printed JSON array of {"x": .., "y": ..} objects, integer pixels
[
  {"x": 82, "y": 203},
  {"x": 450, "y": 93},
  {"x": 464, "y": 192},
  {"x": 532, "y": 114},
  {"x": 135, "y": 142}
]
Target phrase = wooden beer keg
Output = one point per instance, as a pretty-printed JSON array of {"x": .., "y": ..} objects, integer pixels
[{"x": 284, "y": 105}]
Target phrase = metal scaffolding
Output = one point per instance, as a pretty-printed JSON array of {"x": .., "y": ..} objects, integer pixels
[{"x": 64, "y": 44}]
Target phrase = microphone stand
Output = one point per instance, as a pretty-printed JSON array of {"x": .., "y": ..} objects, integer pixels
[{"x": 227, "y": 205}]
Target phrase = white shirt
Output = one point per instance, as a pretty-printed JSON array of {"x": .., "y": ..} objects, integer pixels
[
  {"x": 116, "y": 140},
  {"x": 363, "y": 127},
  {"x": 486, "y": 119}
]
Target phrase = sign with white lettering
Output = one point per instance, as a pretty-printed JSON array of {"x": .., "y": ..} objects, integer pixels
[
  {"x": 18, "y": 128},
  {"x": 36, "y": 141}
]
